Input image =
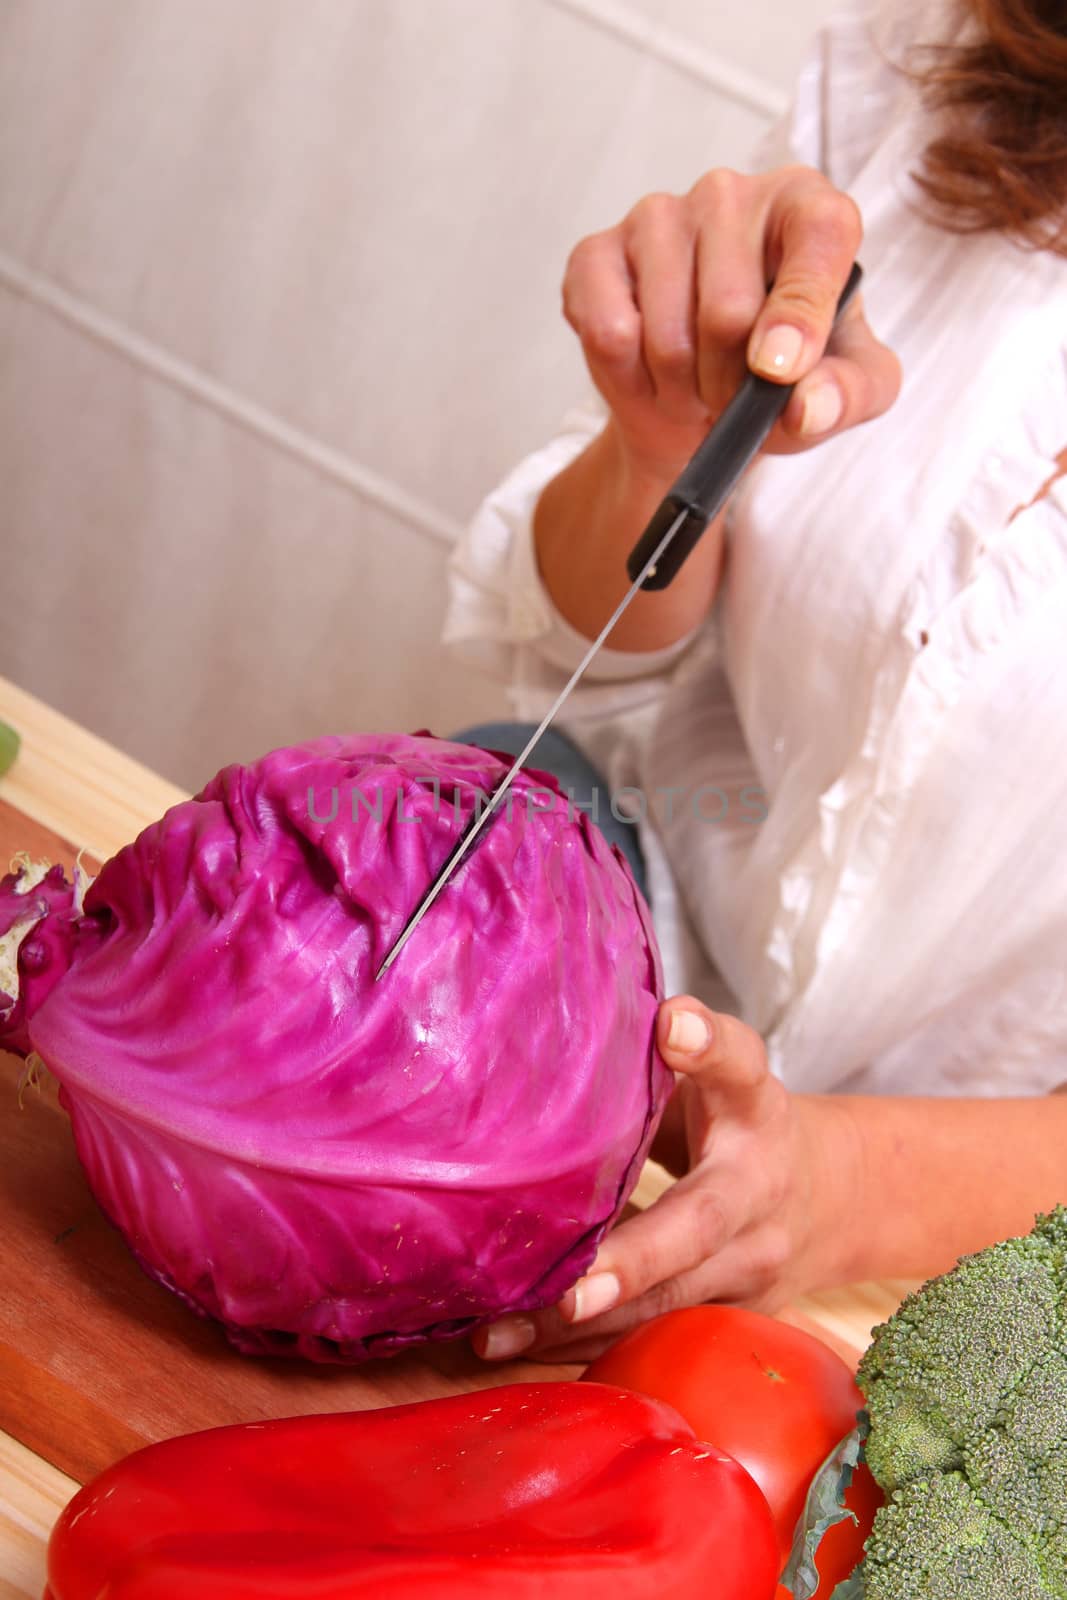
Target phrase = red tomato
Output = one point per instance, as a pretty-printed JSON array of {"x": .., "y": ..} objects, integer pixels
[{"x": 771, "y": 1396}]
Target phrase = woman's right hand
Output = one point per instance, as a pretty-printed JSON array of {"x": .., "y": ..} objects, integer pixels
[{"x": 672, "y": 305}]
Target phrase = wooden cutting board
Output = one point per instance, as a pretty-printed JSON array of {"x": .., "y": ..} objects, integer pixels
[{"x": 95, "y": 1358}]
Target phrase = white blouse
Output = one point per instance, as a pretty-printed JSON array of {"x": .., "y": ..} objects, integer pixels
[{"x": 854, "y": 773}]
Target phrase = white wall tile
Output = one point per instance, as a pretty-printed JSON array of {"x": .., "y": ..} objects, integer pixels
[
  {"x": 767, "y": 38},
  {"x": 358, "y": 213},
  {"x": 186, "y": 591},
  {"x": 350, "y": 217}
]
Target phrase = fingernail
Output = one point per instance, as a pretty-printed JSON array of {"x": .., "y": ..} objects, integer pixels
[
  {"x": 688, "y": 1033},
  {"x": 595, "y": 1295},
  {"x": 509, "y": 1338},
  {"x": 823, "y": 405},
  {"x": 778, "y": 352}
]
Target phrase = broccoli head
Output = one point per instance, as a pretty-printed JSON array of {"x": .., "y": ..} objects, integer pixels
[
  {"x": 966, "y": 1394},
  {"x": 934, "y": 1540}
]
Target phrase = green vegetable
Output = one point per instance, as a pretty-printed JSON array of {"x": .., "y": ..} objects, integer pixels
[
  {"x": 966, "y": 1390},
  {"x": 9, "y": 747},
  {"x": 824, "y": 1509},
  {"x": 937, "y": 1540}
]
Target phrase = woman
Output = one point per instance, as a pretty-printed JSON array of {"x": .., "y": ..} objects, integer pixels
[{"x": 872, "y": 642}]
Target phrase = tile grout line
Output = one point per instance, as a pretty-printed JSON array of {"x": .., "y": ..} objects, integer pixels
[
  {"x": 675, "y": 50},
  {"x": 218, "y": 397}
]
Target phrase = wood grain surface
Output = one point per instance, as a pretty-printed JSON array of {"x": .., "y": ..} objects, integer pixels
[
  {"x": 33, "y": 1495},
  {"x": 74, "y": 783}
]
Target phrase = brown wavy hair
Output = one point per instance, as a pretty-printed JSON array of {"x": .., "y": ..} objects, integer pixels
[{"x": 1000, "y": 159}]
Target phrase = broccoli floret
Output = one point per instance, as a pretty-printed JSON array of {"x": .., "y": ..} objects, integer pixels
[
  {"x": 937, "y": 1373},
  {"x": 934, "y": 1540},
  {"x": 966, "y": 1392},
  {"x": 1018, "y": 1467}
]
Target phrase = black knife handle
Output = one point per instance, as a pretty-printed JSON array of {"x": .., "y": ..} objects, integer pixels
[{"x": 705, "y": 485}]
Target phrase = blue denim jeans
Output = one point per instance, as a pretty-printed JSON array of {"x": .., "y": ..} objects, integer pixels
[{"x": 575, "y": 774}]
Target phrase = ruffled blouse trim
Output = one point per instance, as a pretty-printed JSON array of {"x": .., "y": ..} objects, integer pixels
[{"x": 959, "y": 608}]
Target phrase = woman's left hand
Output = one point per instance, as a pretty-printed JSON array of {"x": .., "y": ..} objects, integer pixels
[{"x": 759, "y": 1215}]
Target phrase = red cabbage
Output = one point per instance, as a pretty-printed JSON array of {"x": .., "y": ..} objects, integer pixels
[{"x": 334, "y": 1167}]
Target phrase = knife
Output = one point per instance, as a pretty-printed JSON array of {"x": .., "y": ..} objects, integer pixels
[{"x": 693, "y": 501}]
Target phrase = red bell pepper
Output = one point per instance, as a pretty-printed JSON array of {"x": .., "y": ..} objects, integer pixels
[{"x": 557, "y": 1490}]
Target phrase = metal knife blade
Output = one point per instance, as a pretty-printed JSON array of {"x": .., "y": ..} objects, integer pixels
[{"x": 694, "y": 499}]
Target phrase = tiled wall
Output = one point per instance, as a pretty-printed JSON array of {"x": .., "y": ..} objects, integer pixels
[{"x": 279, "y": 302}]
